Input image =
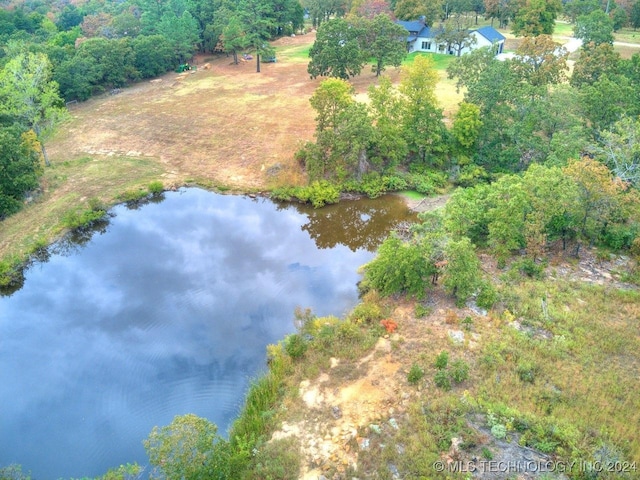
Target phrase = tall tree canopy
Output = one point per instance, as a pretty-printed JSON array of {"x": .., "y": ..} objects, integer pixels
[
  {"x": 536, "y": 17},
  {"x": 336, "y": 51},
  {"x": 29, "y": 97}
]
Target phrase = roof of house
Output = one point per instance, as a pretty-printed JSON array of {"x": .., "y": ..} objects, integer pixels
[
  {"x": 490, "y": 34},
  {"x": 417, "y": 29},
  {"x": 413, "y": 26}
]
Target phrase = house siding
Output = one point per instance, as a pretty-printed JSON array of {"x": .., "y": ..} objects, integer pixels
[{"x": 423, "y": 40}]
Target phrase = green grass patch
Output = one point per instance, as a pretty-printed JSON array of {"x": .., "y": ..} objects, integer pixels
[
  {"x": 298, "y": 53},
  {"x": 79, "y": 184},
  {"x": 440, "y": 61},
  {"x": 562, "y": 29},
  {"x": 412, "y": 195},
  {"x": 627, "y": 35}
]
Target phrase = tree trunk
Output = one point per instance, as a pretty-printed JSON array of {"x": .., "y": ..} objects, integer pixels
[
  {"x": 44, "y": 154},
  {"x": 257, "y": 62},
  {"x": 235, "y": 57}
]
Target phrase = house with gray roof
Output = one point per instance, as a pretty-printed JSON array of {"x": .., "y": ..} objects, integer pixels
[{"x": 422, "y": 38}]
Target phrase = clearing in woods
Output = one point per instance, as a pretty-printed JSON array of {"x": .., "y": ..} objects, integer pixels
[{"x": 225, "y": 126}]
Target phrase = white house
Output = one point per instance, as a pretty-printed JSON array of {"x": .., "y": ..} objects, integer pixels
[{"x": 423, "y": 39}]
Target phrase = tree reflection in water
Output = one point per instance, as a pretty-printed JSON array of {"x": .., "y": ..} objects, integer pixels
[{"x": 362, "y": 223}]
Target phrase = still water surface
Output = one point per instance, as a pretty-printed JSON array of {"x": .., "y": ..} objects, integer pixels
[{"x": 166, "y": 310}]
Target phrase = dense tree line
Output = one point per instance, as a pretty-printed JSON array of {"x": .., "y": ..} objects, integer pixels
[{"x": 97, "y": 46}]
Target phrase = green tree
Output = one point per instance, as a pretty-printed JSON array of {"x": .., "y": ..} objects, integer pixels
[
  {"x": 536, "y": 17},
  {"x": 126, "y": 24},
  {"x": 30, "y": 97},
  {"x": 414, "y": 9},
  {"x": 78, "y": 77},
  {"x": 619, "y": 148},
  {"x": 422, "y": 122},
  {"x": 20, "y": 168},
  {"x": 503, "y": 106},
  {"x": 465, "y": 213},
  {"x": 606, "y": 101},
  {"x": 466, "y": 127},
  {"x": 620, "y": 18},
  {"x": 389, "y": 148},
  {"x": 540, "y": 61},
  {"x": 554, "y": 205},
  {"x": 508, "y": 205},
  {"x": 70, "y": 16},
  {"x": 258, "y": 21},
  {"x": 455, "y": 34},
  {"x": 462, "y": 273},
  {"x": 593, "y": 62},
  {"x": 181, "y": 31},
  {"x": 502, "y": 10},
  {"x": 596, "y": 28},
  {"x": 330, "y": 100},
  {"x": 154, "y": 55},
  {"x": 634, "y": 18},
  {"x": 384, "y": 41},
  {"x": 234, "y": 38},
  {"x": 467, "y": 68},
  {"x": 321, "y": 11},
  {"x": 343, "y": 134},
  {"x": 576, "y": 8},
  {"x": 188, "y": 449},
  {"x": 115, "y": 58},
  {"x": 336, "y": 51},
  {"x": 399, "y": 267},
  {"x": 599, "y": 198}
]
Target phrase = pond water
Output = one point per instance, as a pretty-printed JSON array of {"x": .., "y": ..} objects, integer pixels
[{"x": 166, "y": 309}]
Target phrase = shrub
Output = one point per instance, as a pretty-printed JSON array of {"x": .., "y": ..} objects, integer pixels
[
  {"x": 96, "y": 205},
  {"x": 77, "y": 219},
  {"x": 618, "y": 237},
  {"x": 132, "y": 196},
  {"x": 442, "y": 360},
  {"x": 527, "y": 372},
  {"x": 499, "y": 431},
  {"x": 422, "y": 311},
  {"x": 487, "y": 454},
  {"x": 395, "y": 183},
  {"x": 295, "y": 345},
  {"x": 389, "y": 325},
  {"x": 462, "y": 272},
  {"x": 373, "y": 185},
  {"x": 527, "y": 266},
  {"x": 415, "y": 374},
  {"x": 459, "y": 371},
  {"x": 442, "y": 380},
  {"x": 366, "y": 313},
  {"x": 156, "y": 187},
  {"x": 487, "y": 296},
  {"x": 471, "y": 175},
  {"x": 323, "y": 193}
]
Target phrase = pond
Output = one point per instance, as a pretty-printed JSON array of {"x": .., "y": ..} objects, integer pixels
[{"x": 166, "y": 309}]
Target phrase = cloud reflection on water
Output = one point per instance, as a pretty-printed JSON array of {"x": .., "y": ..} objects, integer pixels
[{"x": 166, "y": 313}]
